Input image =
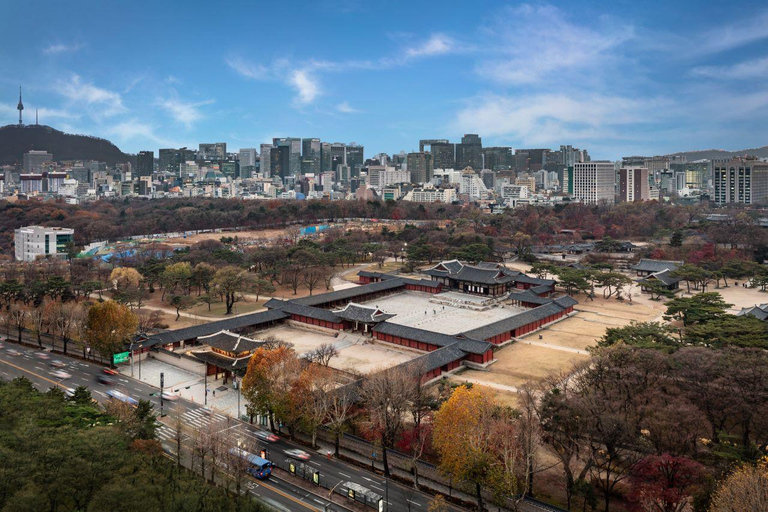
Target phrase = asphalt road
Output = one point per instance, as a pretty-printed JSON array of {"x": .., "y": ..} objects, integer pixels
[{"x": 279, "y": 491}]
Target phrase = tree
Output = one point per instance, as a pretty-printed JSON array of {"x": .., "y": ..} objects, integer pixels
[
  {"x": 310, "y": 393},
  {"x": 232, "y": 282},
  {"x": 182, "y": 302},
  {"x": 613, "y": 282},
  {"x": 387, "y": 394},
  {"x": 81, "y": 396},
  {"x": 642, "y": 335},
  {"x": 122, "y": 278},
  {"x": 728, "y": 331},
  {"x": 676, "y": 239},
  {"x": 323, "y": 354},
  {"x": 269, "y": 380},
  {"x": 664, "y": 483},
  {"x": 461, "y": 439},
  {"x": 109, "y": 326},
  {"x": 699, "y": 309},
  {"x": 692, "y": 274},
  {"x": 340, "y": 403},
  {"x": 177, "y": 274},
  {"x": 18, "y": 315},
  {"x": 744, "y": 489},
  {"x": 202, "y": 275},
  {"x": 39, "y": 322},
  {"x": 262, "y": 286}
]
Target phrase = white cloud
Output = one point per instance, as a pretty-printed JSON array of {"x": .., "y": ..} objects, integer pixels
[
  {"x": 183, "y": 112},
  {"x": 249, "y": 69},
  {"x": 552, "y": 118},
  {"x": 58, "y": 48},
  {"x": 526, "y": 54},
  {"x": 345, "y": 108},
  {"x": 305, "y": 85},
  {"x": 135, "y": 130},
  {"x": 437, "y": 44},
  {"x": 733, "y": 35},
  {"x": 757, "y": 68},
  {"x": 105, "y": 102}
]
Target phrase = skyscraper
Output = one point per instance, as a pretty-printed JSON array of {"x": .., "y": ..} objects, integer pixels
[
  {"x": 470, "y": 152},
  {"x": 355, "y": 158},
  {"x": 213, "y": 151},
  {"x": 280, "y": 161},
  {"x": 310, "y": 156},
  {"x": 33, "y": 161},
  {"x": 420, "y": 166},
  {"x": 594, "y": 182},
  {"x": 145, "y": 163},
  {"x": 498, "y": 158},
  {"x": 264, "y": 160},
  {"x": 294, "y": 153},
  {"x": 741, "y": 180},
  {"x": 325, "y": 158},
  {"x": 634, "y": 184},
  {"x": 170, "y": 160},
  {"x": 443, "y": 152}
]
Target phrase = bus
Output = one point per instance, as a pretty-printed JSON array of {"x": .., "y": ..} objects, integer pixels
[
  {"x": 114, "y": 394},
  {"x": 258, "y": 467}
]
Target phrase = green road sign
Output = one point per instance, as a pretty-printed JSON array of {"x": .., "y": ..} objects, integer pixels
[
  {"x": 121, "y": 357},
  {"x": 316, "y": 478}
]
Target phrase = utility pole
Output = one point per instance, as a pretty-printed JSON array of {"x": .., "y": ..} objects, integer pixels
[
  {"x": 206, "y": 385},
  {"x": 162, "y": 382}
]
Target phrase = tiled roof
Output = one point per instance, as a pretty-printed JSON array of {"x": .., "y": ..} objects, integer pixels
[
  {"x": 221, "y": 361},
  {"x": 350, "y": 293},
  {"x": 229, "y": 342},
  {"x": 759, "y": 312},
  {"x": 523, "y": 278},
  {"x": 528, "y": 296},
  {"x": 473, "y": 346},
  {"x": 359, "y": 313},
  {"x": 508, "y": 324},
  {"x": 230, "y": 324},
  {"x": 646, "y": 265},
  {"x": 663, "y": 277},
  {"x": 294, "y": 308},
  {"x": 483, "y": 275}
]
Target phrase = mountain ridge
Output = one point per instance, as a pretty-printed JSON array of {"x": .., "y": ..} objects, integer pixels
[{"x": 16, "y": 140}]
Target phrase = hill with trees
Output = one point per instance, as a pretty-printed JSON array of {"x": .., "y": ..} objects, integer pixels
[{"x": 16, "y": 140}]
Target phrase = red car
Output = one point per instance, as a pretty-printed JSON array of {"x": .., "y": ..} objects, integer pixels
[{"x": 110, "y": 371}]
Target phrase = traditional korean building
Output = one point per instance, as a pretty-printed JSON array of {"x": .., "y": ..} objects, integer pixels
[{"x": 227, "y": 353}]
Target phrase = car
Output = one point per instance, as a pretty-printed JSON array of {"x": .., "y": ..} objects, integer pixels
[
  {"x": 268, "y": 437},
  {"x": 61, "y": 375},
  {"x": 110, "y": 371},
  {"x": 58, "y": 363},
  {"x": 297, "y": 454},
  {"x": 169, "y": 396},
  {"x": 43, "y": 355},
  {"x": 14, "y": 352},
  {"x": 105, "y": 379},
  {"x": 70, "y": 392}
]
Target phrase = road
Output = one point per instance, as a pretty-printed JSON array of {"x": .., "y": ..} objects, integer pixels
[{"x": 279, "y": 489}]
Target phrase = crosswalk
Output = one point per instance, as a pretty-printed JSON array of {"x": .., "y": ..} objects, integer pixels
[{"x": 165, "y": 433}]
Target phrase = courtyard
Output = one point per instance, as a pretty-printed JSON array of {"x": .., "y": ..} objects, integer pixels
[{"x": 416, "y": 309}]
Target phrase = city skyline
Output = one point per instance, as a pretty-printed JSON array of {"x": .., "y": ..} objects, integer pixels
[{"x": 620, "y": 79}]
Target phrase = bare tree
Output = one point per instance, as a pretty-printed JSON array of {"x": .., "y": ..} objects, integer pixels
[
  {"x": 340, "y": 403},
  {"x": 19, "y": 314},
  {"x": 39, "y": 321},
  {"x": 272, "y": 342},
  {"x": 388, "y": 394},
  {"x": 322, "y": 354}
]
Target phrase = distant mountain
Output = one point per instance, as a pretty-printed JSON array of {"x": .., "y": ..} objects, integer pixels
[
  {"x": 709, "y": 154},
  {"x": 16, "y": 140}
]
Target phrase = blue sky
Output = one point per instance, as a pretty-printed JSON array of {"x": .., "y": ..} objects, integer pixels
[{"x": 618, "y": 78}]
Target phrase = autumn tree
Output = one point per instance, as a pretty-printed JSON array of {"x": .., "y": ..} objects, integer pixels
[
  {"x": 109, "y": 326},
  {"x": 744, "y": 489},
  {"x": 664, "y": 483},
  {"x": 310, "y": 394},
  {"x": 269, "y": 380},
  {"x": 123, "y": 278},
  {"x": 340, "y": 404}
]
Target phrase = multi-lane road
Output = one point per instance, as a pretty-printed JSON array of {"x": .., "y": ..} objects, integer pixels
[{"x": 281, "y": 490}]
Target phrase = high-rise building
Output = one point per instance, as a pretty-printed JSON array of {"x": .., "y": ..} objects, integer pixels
[
  {"x": 280, "y": 161},
  {"x": 33, "y": 161},
  {"x": 247, "y": 157},
  {"x": 443, "y": 152},
  {"x": 498, "y": 158},
  {"x": 594, "y": 182},
  {"x": 264, "y": 160},
  {"x": 355, "y": 158},
  {"x": 170, "y": 159},
  {"x": 212, "y": 151},
  {"x": 469, "y": 153},
  {"x": 310, "y": 156},
  {"x": 696, "y": 173},
  {"x": 741, "y": 180},
  {"x": 489, "y": 178},
  {"x": 634, "y": 184},
  {"x": 145, "y": 163},
  {"x": 420, "y": 166},
  {"x": 325, "y": 158},
  {"x": 294, "y": 153}
]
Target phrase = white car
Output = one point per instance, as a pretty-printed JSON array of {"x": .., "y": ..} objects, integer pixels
[
  {"x": 169, "y": 396},
  {"x": 43, "y": 355},
  {"x": 14, "y": 352},
  {"x": 61, "y": 375},
  {"x": 297, "y": 454}
]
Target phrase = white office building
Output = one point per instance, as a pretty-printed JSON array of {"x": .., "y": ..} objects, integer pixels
[
  {"x": 33, "y": 242},
  {"x": 594, "y": 182}
]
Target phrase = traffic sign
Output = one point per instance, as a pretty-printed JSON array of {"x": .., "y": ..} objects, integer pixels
[{"x": 121, "y": 357}]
